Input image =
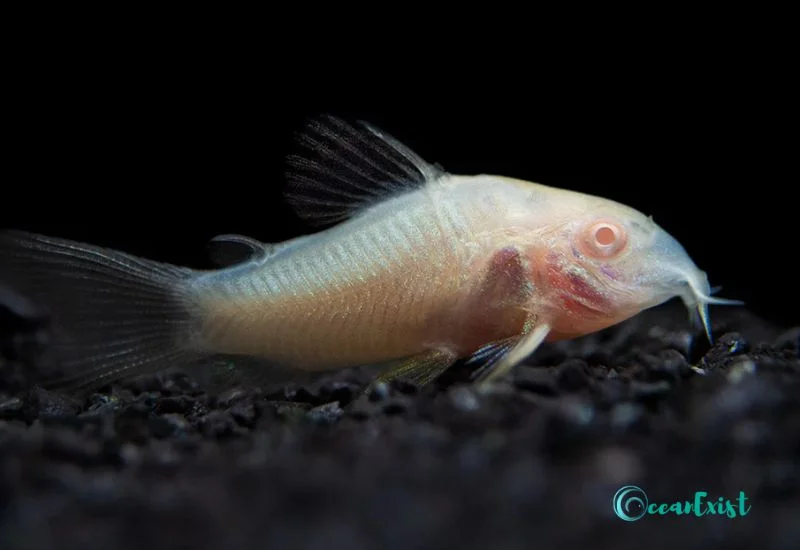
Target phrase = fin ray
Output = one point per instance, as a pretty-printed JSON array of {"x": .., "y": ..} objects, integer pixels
[
  {"x": 421, "y": 369},
  {"x": 112, "y": 315},
  {"x": 489, "y": 355},
  {"x": 508, "y": 356},
  {"x": 345, "y": 168}
]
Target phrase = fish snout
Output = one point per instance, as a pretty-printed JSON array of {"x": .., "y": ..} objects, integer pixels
[{"x": 670, "y": 272}]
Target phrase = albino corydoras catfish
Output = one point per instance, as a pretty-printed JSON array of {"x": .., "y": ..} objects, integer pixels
[{"x": 413, "y": 268}]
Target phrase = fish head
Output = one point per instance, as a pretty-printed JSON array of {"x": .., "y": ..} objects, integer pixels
[{"x": 609, "y": 262}]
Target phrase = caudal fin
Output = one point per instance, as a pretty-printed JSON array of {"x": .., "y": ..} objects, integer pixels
[{"x": 113, "y": 315}]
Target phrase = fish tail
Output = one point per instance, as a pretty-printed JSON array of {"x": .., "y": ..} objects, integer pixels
[{"x": 112, "y": 315}]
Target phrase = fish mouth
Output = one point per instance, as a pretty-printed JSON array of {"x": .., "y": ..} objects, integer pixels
[
  {"x": 678, "y": 275},
  {"x": 698, "y": 296}
]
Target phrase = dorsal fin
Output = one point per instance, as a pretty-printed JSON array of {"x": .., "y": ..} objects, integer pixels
[{"x": 344, "y": 168}]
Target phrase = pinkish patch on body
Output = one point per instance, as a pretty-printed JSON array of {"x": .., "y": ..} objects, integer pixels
[
  {"x": 495, "y": 310},
  {"x": 575, "y": 294}
]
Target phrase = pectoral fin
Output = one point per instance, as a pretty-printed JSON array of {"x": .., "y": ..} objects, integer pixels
[
  {"x": 504, "y": 355},
  {"x": 490, "y": 354}
]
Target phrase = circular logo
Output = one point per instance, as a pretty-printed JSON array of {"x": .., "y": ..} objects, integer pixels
[{"x": 630, "y": 503}]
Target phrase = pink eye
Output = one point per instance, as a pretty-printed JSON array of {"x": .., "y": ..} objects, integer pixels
[
  {"x": 605, "y": 235},
  {"x": 604, "y": 239}
]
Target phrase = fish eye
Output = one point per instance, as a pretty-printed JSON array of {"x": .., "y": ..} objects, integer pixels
[
  {"x": 605, "y": 235},
  {"x": 604, "y": 239}
]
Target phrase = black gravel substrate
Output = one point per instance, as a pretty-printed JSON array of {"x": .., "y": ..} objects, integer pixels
[{"x": 533, "y": 463}]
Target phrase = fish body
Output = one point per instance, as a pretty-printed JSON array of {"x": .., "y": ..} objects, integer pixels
[
  {"x": 414, "y": 265},
  {"x": 409, "y": 275}
]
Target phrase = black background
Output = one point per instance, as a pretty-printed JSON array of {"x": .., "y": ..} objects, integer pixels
[{"x": 157, "y": 155}]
